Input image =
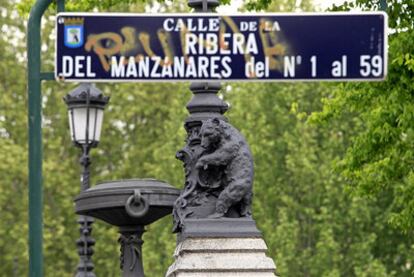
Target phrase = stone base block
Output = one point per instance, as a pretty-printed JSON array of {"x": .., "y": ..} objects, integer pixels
[
  {"x": 244, "y": 227},
  {"x": 224, "y": 274},
  {"x": 219, "y": 257}
]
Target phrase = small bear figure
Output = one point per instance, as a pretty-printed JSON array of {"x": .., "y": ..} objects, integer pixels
[{"x": 226, "y": 148}]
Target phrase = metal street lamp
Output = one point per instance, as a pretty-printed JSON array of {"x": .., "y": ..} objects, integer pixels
[{"x": 86, "y": 104}]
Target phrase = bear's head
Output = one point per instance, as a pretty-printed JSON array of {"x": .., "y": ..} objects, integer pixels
[{"x": 211, "y": 133}]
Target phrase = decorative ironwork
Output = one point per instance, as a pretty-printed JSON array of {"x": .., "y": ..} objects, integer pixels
[
  {"x": 85, "y": 161},
  {"x": 85, "y": 242},
  {"x": 88, "y": 97},
  {"x": 131, "y": 243},
  {"x": 136, "y": 205},
  {"x": 129, "y": 205},
  {"x": 130, "y": 259}
]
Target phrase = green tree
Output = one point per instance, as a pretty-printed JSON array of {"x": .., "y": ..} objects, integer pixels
[
  {"x": 313, "y": 227},
  {"x": 379, "y": 160},
  {"x": 312, "y": 224}
]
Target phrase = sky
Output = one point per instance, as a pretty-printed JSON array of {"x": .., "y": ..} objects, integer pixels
[{"x": 323, "y": 4}]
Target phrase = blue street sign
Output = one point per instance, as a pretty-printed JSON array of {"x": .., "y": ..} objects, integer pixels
[{"x": 190, "y": 47}]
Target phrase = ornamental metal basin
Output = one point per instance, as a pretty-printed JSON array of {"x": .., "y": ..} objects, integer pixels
[{"x": 127, "y": 202}]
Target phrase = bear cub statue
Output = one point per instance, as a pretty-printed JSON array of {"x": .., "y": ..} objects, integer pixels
[{"x": 226, "y": 148}]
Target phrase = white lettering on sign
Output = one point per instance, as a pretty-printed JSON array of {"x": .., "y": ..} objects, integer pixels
[
  {"x": 191, "y": 24},
  {"x": 339, "y": 68},
  {"x": 314, "y": 66},
  {"x": 226, "y": 72},
  {"x": 257, "y": 69},
  {"x": 370, "y": 65},
  {"x": 270, "y": 26},
  {"x": 248, "y": 26},
  {"x": 154, "y": 71},
  {"x": 199, "y": 44},
  {"x": 117, "y": 69},
  {"x": 77, "y": 66},
  {"x": 155, "y": 67},
  {"x": 67, "y": 66},
  {"x": 131, "y": 69},
  {"x": 224, "y": 41},
  {"x": 290, "y": 62}
]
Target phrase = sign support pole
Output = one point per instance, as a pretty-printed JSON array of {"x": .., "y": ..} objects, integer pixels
[
  {"x": 383, "y": 5},
  {"x": 35, "y": 76}
]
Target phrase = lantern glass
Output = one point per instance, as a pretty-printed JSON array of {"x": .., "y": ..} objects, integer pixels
[{"x": 80, "y": 124}]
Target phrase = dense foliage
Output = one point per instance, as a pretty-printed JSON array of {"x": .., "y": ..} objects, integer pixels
[
  {"x": 379, "y": 162},
  {"x": 334, "y": 182}
]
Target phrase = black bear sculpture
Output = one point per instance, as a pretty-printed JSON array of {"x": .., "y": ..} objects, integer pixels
[
  {"x": 226, "y": 148},
  {"x": 219, "y": 168}
]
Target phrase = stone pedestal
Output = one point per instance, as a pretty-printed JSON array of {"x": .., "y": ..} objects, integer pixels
[
  {"x": 221, "y": 248},
  {"x": 221, "y": 257}
]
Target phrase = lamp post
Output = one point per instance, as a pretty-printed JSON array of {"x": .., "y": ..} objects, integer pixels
[{"x": 86, "y": 104}]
